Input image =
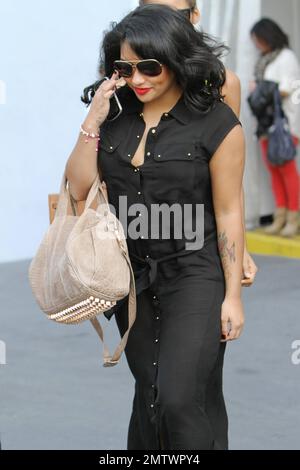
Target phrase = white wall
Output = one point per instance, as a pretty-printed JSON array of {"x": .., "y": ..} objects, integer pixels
[
  {"x": 48, "y": 53},
  {"x": 287, "y": 15},
  {"x": 231, "y": 21}
]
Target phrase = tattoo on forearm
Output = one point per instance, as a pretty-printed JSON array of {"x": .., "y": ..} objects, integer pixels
[{"x": 227, "y": 253}]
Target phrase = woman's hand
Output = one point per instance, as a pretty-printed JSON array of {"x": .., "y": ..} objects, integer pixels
[
  {"x": 249, "y": 269},
  {"x": 100, "y": 105},
  {"x": 232, "y": 318}
]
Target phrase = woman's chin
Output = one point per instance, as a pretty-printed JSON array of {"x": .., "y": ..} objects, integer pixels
[{"x": 150, "y": 96}]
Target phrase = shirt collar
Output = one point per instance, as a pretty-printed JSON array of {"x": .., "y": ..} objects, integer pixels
[{"x": 180, "y": 111}]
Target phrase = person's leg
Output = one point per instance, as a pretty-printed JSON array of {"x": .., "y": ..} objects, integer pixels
[
  {"x": 279, "y": 192},
  {"x": 290, "y": 175},
  {"x": 190, "y": 406},
  {"x": 140, "y": 352},
  {"x": 215, "y": 404},
  {"x": 277, "y": 180}
]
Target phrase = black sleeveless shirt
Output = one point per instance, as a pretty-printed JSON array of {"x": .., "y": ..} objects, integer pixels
[{"x": 175, "y": 171}]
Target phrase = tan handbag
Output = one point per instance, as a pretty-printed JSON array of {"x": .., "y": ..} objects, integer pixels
[{"x": 82, "y": 267}]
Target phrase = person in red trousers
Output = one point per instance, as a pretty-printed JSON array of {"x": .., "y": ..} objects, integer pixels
[{"x": 278, "y": 63}]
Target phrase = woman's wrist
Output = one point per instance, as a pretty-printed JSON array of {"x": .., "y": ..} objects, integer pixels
[
  {"x": 90, "y": 134},
  {"x": 233, "y": 289},
  {"x": 91, "y": 126},
  {"x": 233, "y": 296}
]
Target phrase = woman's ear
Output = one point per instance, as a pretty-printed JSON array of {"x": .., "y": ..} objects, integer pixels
[{"x": 196, "y": 15}]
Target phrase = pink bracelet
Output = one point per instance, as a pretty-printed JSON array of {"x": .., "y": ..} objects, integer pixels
[{"x": 90, "y": 135}]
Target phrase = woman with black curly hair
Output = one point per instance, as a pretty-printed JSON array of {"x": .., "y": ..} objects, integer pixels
[
  {"x": 175, "y": 144},
  {"x": 231, "y": 91}
]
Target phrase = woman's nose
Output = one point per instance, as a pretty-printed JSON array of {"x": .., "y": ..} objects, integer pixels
[{"x": 137, "y": 78}]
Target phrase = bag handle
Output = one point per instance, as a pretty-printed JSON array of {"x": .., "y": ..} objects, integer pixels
[{"x": 65, "y": 197}]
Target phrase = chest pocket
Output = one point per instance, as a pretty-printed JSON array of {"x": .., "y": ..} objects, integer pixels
[
  {"x": 107, "y": 160},
  {"x": 108, "y": 143},
  {"x": 180, "y": 151},
  {"x": 180, "y": 168}
]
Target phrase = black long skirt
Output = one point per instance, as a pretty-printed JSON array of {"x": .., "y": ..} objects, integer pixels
[{"x": 176, "y": 357}]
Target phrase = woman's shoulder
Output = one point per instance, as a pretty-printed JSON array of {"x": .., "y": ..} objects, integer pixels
[
  {"x": 287, "y": 56},
  {"x": 219, "y": 121},
  {"x": 221, "y": 111}
]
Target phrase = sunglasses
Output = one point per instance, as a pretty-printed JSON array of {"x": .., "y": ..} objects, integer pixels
[{"x": 149, "y": 67}]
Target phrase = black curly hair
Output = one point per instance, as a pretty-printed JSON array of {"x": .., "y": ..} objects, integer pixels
[{"x": 162, "y": 33}]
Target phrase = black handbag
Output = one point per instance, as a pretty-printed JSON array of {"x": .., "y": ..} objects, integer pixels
[
  {"x": 281, "y": 148},
  {"x": 262, "y": 106}
]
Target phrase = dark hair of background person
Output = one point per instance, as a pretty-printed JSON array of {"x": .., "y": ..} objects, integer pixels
[
  {"x": 271, "y": 33},
  {"x": 192, "y": 3},
  {"x": 159, "y": 32}
]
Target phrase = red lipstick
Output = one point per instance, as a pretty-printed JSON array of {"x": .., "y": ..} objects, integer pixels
[{"x": 142, "y": 91}]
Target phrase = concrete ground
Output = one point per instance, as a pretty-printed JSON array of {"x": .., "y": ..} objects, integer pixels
[{"x": 55, "y": 394}]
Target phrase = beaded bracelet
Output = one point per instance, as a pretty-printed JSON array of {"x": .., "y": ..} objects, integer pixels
[{"x": 90, "y": 135}]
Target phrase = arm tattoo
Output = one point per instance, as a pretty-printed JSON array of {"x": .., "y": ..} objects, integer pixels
[{"x": 227, "y": 253}]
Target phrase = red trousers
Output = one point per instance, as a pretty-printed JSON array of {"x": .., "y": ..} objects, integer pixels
[{"x": 285, "y": 180}]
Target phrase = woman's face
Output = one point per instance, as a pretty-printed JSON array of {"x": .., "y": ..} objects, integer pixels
[
  {"x": 179, "y": 5},
  {"x": 147, "y": 88},
  {"x": 260, "y": 44}
]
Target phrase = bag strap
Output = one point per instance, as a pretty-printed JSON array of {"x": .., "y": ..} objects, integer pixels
[
  {"x": 108, "y": 359},
  {"x": 277, "y": 103}
]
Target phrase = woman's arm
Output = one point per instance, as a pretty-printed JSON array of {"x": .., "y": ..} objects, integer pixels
[
  {"x": 232, "y": 92},
  {"x": 227, "y": 168},
  {"x": 81, "y": 168}
]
